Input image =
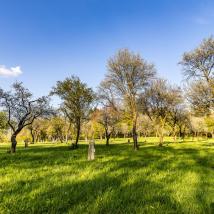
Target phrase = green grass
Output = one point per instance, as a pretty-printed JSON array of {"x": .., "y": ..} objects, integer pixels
[{"x": 49, "y": 178}]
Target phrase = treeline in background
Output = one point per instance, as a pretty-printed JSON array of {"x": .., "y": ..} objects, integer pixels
[{"x": 132, "y": 101}]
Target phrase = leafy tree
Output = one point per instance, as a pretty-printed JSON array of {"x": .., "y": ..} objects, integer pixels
[
  {"x": 3, "y": 121},
  {"x": 129, "y": 75},
  {"x": 43, "y": 131},
  {"x": 209, "y": 121},
  {"x": 21, "y": 109},
  {"x": 57, "y": 128},
  {"x": 3, "y": 126},
  {"x": 124, "y": 128},
  {"x": 178, "y": 120},
  {"x": 77, "y": 101},
  {"x": 92, "y": 128},
  {"x": 34, "y": 129},
  {"x": 157, "y": 102},
  {"x": 145, "y": 126},
  {"x": 198, "y": 126}
]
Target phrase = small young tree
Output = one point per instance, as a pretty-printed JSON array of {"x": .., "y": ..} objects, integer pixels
[
  {"x": 108, "y": 115},
  {"x": 21, "y": 109},
  {"x": 108, "y": 118},
  {"x": 77, "y": 101}
]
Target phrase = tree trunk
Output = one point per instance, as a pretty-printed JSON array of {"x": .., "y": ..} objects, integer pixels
[
  {"x": 66, "y": 138},
  {"x": 161, "y": 135},
  {"x": 175, "y": 138},
  {"x": 161, "y": 140},
  {"x": 193, "y": 136},
  {"x": 61, "y": 139},
  {"x": 107, "y": 136},
  {"x": 145, "y": 137},
  {"x": 134, "y": 135},
  {"x": 107, "y": 140},
  {"x": 32, "y": 135},
  {"x": 78, "y": 135},
  {"x": 13, "y": 143}
]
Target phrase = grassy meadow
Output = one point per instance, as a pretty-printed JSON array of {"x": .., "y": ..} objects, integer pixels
[{"x": 49, "y": 178}]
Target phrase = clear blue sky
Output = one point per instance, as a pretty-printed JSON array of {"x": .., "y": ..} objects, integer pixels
[{"x": 52, "y": 39}]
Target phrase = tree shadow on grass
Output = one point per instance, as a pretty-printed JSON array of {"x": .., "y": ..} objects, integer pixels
[
  {"x": 102, "y": 194},
  {"x": 126, "y": 186}
]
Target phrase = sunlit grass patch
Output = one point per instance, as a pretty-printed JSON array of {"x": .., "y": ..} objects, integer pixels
[{"x": 50, "y": 178}]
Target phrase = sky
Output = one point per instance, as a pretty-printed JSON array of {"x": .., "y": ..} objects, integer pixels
[{"x": 43, "y": 41}]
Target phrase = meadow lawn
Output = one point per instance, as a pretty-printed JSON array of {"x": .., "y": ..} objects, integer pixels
[{"x": 50, "y": 178}]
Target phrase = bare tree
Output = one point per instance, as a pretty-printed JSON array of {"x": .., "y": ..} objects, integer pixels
[
  {"x": 21, "y": 109},
  {"x": 129, "y": 75},
  {"x": 198, "y": 65},
  {"x": 108, "y": 115}
]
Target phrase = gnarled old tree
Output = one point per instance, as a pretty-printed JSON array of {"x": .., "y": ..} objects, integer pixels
[
  {"x": 198, "y": 66},
  {"x": 129, "y": 75},
  {"x": 77, "y": 101},
  {"x": 21, "y": 109},
  {"x": 157, "y": 102}
]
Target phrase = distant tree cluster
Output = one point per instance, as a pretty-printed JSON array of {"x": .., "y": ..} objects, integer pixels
[{"x": 131, "y": 101}]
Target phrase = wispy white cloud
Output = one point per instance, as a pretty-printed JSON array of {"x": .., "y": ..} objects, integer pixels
[{"x": 10, "y": 72}]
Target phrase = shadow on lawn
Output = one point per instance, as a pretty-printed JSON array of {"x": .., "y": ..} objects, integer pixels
[
  {"x": 34, "y": 156},
  {"x": 111, "y": 191},
  {"x": 102, "y": 194}
]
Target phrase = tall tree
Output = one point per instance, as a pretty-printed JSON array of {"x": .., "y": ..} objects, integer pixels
[
  {"x": 77, "y": 100},
  {"x": 198, "y": 65},
  {"x": 21, "y": 109},
  {"x": 129, "y": 75}
]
